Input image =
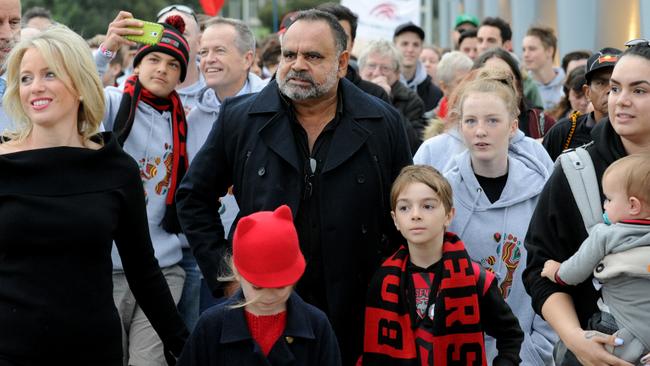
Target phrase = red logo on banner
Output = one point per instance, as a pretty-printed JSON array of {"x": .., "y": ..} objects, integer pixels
[
  {"x": 212, "y": 7},
  {"x": 384, "y": 10}
]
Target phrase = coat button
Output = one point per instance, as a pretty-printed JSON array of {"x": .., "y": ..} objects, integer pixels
[
  {"x": 361, "y": 179},
  {"x": 261, "y": 171},
  {"x": 600, "y": 267},
  {"x": 289, "y": 339}
]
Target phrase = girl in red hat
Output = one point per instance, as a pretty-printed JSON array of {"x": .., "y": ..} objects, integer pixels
[{"x": 265, "y": 322}]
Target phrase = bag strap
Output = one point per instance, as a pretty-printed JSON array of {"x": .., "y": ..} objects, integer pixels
[{"x": 581, "y": 175}]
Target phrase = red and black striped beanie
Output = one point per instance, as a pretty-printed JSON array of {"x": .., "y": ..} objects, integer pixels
[{"x": 172, "y": 43}]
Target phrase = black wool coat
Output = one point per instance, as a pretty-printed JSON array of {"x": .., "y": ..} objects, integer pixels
[{"x": 252, "y": 148}]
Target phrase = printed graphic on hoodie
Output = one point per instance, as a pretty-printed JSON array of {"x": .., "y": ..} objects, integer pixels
[
  {"x": 510, "y": 253},
  {"x": 149, "y": 170}
]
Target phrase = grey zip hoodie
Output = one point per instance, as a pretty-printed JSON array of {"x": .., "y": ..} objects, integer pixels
[
  {"x": 420, "y": 76},
  {"x": 200, "y": 122},
  {"x": 439, "y": 150},
  {"x": 494, "y": 233},
  {"x": 150, "y": 145}
]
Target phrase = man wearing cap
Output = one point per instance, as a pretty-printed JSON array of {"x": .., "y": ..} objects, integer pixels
[
  {"x": 463, "y": 23},
  {"x": 575, "y": 130},
  {"x": 312, "y": 140},
  {"x": 9, "y": 35},
  {"x": 408, "y": 39},
  {"x": 148, "y": 118}
]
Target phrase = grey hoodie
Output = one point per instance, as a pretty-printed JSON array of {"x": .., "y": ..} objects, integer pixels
[
  {"x": 190, "y": 94},
  {"x": 493, "y": 234},
  {"x": 420, "y": 76},
  {"x": 200, "y": 122},
  {"x": 439, "y": 150},
  {"x": 552, "y": 92},
  {"x": 150, "y": 145}
]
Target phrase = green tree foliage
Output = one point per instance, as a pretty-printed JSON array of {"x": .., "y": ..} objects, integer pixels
[
  {"x": 90, "y": 17},
  {"x": 266, "y": 13}
]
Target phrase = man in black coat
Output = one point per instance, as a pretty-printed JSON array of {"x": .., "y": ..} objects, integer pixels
[{"x": 313, "y": 141}]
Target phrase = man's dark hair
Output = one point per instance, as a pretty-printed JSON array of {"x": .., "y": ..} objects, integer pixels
[
  {"x": 342, "y": 13},
  {"x": 313, "y": 15},
  {"x": 504, "y": 27},
  {"x": 574, "y": 56},
  {"x": 36, "y": 12},
  {"x": 470, "y": 33}
]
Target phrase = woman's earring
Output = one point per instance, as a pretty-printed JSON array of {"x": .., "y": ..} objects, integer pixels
[{"x": 81, "y": 98}]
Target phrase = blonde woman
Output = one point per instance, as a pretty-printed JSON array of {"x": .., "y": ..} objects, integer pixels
[{"x": 67, "y": 192}]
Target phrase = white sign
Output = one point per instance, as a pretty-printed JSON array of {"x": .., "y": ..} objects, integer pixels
[{"x": 379, "y": 18}]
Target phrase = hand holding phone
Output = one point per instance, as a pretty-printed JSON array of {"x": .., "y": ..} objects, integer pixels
[{"x": 152, "y": 33}]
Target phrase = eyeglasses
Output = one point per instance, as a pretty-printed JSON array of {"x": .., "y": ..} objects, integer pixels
[
  {"x": 637, "y": 42},
  {"x": 182, "y": 8},
  {"x": 383, "y": 69}
]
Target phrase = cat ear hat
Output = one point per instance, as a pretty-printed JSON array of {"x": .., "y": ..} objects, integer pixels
[{"x": 265, "y": 249}]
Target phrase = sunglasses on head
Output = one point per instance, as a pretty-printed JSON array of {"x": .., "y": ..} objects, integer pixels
[
  {"x": 638, "y": 42},
  {"x": 182, "y": 8}
]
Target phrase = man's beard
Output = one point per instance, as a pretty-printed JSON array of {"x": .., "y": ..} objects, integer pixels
[
  {"x": 8, "y": 44},
  {"x": 295, "y": 92}
]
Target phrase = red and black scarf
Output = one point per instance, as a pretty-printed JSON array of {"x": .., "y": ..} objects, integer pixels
[
  {"x": 133, "y": 94},
  {"x": 391, "y": 335}
]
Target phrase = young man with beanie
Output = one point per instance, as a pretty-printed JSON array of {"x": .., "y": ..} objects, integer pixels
[
  {"x": 149, "y": 121},
  {"x": 575, "y": 130},
  {"x": 190, "y": 89},
  {"x": 408, "y": 39}
]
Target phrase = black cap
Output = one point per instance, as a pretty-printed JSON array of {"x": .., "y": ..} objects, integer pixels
[
  {"x": 409, "y": 27},
  {"x": 605, "y": 58}
]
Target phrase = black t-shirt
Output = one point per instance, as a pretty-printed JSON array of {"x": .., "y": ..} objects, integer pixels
[{"x": 493, "y": 187}]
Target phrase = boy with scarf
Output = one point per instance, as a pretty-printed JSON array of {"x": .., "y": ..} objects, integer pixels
[
  {"x": 149, "y": 121},
  {"x": 429, "y": 304}
]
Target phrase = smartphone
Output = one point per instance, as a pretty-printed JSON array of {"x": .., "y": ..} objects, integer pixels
[{"x": 153, "y": 32}]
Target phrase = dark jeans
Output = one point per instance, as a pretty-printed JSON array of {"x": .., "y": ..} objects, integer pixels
[{"x": 600, "y": 321}]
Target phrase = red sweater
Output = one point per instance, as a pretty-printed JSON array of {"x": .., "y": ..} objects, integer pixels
[{"x": 266, "y": 329}]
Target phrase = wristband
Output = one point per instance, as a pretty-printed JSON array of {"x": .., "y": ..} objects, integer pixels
[{"x": 106, "y": 52}]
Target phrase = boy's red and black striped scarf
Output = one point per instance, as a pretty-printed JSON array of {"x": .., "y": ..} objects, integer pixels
[
  {"x": 135, "y": 93},
  {"x": 391, "y": 335}
]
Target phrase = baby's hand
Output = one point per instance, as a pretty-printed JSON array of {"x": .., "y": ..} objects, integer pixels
[{"x": 550, "y": 269}]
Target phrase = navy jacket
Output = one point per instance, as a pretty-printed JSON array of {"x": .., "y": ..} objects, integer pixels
[{"x": 221, "y": 337}]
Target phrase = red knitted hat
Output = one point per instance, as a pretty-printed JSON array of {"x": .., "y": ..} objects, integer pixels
[{"x": 265, "y": 249}]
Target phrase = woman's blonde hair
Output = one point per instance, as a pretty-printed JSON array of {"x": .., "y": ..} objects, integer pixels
[
  {"x": 67, "y": 54},
  {"x": 493, "y": 81}
]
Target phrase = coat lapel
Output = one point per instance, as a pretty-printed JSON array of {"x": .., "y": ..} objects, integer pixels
[
  {"x": 278, "y": 136},
  {"x": 348, "y": 138}
]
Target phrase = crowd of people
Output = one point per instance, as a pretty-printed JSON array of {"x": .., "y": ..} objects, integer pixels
[{"x": 202, "y": 200}]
